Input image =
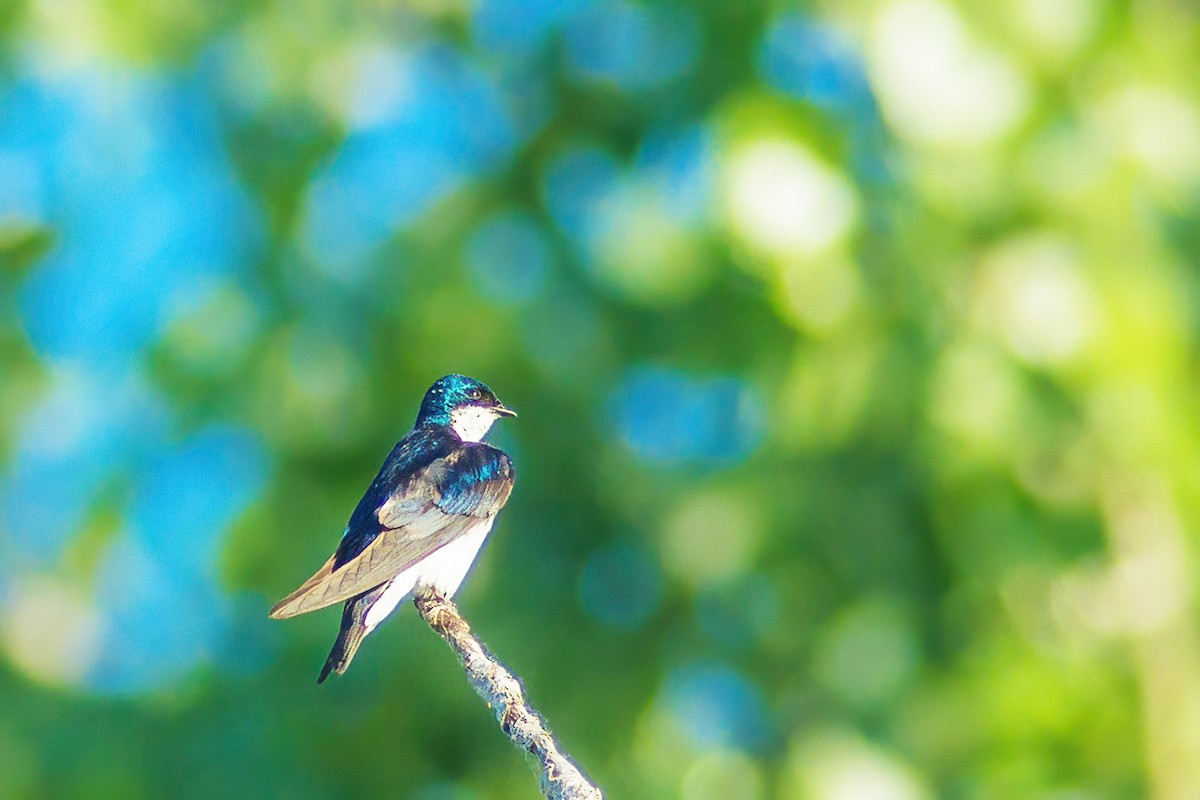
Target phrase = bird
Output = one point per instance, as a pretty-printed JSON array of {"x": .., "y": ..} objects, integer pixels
[{"x": 421, "y": 523}]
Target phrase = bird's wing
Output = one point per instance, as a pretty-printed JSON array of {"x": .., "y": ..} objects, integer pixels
[
  {"x": 324, "y": 572},
  {"x": 440, "y": 503}
]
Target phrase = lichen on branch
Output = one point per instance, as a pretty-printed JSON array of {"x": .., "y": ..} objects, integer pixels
[{"x": 560, "y": 778}]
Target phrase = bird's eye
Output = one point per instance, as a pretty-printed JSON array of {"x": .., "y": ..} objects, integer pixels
[{"x": 475, "y": 394}]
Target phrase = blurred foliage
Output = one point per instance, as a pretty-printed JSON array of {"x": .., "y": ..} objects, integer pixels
[{"x": 855, "y": 346}]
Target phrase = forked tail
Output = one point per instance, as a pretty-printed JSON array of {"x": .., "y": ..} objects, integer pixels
[{"x": 354, "y": 629}]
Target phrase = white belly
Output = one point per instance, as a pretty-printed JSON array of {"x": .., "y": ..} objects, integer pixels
[{"x": 443, "y": 570}]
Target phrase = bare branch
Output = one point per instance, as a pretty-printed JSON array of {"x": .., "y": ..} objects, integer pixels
[{"x": 561, "y": 779}]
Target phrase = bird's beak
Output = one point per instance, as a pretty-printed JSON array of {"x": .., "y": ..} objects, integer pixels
[{"x": 504, "y": 411}]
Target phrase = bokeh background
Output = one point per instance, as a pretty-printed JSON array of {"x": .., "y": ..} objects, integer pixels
[{"x": 855, "y": 345}]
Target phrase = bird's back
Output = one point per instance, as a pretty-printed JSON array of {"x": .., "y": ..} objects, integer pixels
[{"x": 412, "y": 454}]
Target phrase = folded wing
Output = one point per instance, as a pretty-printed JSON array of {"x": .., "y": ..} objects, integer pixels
[{"x": 436, "y": 506}]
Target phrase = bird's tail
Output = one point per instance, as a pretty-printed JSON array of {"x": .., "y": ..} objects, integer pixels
[
  {"x": 354, "y": 630},
  {"x": 344, "y": 648}
]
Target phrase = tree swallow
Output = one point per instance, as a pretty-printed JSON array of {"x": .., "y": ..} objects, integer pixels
[{"x": 421, "y": 522}]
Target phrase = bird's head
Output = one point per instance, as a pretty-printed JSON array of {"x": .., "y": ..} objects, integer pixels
[{"x": 468, "y": 406}]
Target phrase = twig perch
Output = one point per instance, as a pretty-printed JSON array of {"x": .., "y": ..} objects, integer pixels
[{"x": 503, "y": 691}]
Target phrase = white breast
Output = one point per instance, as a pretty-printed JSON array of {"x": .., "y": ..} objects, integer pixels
[{"x": 443, "y": 570}]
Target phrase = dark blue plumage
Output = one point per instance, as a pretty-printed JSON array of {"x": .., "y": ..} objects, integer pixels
[{"x": 422, "y": 520}]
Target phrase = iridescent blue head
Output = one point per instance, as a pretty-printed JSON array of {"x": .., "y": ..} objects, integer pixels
[{"x": 468, "y": 406}]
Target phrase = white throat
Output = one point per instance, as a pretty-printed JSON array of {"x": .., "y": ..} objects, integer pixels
[{"x": 472, "y": 423}]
